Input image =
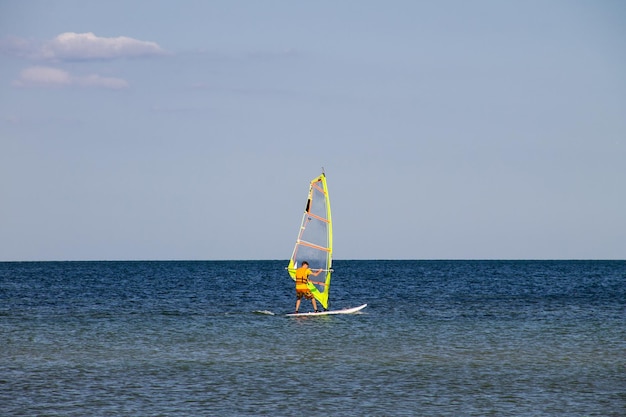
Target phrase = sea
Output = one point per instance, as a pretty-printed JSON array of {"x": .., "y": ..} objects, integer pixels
[{"x": 211, "y": 338}]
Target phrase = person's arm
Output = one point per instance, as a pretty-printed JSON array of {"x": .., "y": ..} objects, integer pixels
[{"x": 316, "y": 274}]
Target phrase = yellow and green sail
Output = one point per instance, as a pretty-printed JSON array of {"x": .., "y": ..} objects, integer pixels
[{"x": 315, "y": 239}]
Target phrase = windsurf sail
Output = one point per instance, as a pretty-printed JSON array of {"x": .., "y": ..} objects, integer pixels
[{"x": 315, "y": 239}]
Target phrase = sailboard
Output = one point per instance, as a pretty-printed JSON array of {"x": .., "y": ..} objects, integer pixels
[
  {"x": 330, "y": 312},
  {"x": 314, "y": 245}
]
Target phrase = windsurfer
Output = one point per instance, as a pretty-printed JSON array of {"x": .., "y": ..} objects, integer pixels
[{"x": 302, "y": 290}]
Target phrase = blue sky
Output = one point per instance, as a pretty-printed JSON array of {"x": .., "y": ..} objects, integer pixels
[{"x": 190, "y": 129}]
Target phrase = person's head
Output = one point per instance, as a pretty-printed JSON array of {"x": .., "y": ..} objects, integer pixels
[{"x": 305, "y": 263}]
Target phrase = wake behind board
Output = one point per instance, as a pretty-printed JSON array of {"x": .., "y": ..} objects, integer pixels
[{"x": 330, "y": 312}]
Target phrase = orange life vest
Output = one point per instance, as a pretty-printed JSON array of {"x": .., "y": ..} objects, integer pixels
[{"x": 302, "y": 277}]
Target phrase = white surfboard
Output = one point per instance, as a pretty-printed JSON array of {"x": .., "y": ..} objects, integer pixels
[{"x": 330, "y": 312}]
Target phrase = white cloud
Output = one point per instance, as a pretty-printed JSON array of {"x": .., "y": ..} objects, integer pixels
[
  {"x": 40, "y": 76},
  {"x": 86, "y": 46},
  {"x": 43, "y": 76},
  {"x": 70, "y": 46}
]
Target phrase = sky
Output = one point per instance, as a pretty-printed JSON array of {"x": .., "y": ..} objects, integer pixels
[{"x": 160, "y": 130}]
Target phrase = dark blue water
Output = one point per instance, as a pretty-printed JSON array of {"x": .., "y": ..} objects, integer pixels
[{"x": 439, "y": 338}]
